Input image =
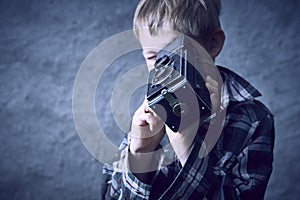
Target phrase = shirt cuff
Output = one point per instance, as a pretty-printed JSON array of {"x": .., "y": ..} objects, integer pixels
[{"x": 135, "y": 188}]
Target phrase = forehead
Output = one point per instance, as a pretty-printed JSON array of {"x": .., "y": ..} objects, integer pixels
[{"x": 156, "y": 42}]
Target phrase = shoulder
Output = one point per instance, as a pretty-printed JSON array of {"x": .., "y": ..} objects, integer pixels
[
  {"x": 253, "y": 109},
  {"x": 246, "y": 122}
]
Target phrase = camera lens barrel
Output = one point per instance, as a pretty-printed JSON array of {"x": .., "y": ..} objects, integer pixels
[{"x": 179, "y": 109}]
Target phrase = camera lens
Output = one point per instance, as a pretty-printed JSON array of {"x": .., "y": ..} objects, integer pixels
[{"x": 180, "y": 109}]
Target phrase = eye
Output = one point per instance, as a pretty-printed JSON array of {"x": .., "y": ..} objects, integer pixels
[{"x": 152, "y": 57}]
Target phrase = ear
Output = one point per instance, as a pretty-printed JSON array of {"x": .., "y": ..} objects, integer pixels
[{"x": 216, "y": 43}]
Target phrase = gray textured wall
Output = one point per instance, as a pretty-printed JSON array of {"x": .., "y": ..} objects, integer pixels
[{"x": 42, "y": 44}]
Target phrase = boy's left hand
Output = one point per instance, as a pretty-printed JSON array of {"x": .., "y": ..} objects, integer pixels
[{"x": 215, "y": 93}]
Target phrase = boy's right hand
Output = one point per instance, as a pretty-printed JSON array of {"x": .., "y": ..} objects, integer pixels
[{"x": 147, "y": 130}]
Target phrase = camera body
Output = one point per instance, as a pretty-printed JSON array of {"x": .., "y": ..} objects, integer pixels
[{"x": 176, "y": 90}]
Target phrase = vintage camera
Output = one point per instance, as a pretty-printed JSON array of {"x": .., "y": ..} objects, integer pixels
[{"x": 176, "y": 90}]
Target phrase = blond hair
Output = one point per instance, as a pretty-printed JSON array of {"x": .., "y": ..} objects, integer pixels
[{"x": 195, "y": 18}]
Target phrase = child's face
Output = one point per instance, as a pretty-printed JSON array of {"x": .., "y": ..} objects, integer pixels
[{"x": 151, "y": 45}]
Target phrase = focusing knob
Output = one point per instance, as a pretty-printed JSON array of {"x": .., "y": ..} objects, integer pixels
[{"x": 162, "y": 62}]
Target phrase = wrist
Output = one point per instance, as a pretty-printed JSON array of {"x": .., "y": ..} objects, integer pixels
[
  {"x": 142, "y": 145},
  {"x": 144, "y": 165},
  {"x": 140, "y": 150},
  {"x": 184, "y": 154}
]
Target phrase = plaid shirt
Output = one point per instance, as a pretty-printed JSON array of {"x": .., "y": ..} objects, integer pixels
[{"x": 238, "y": 167}]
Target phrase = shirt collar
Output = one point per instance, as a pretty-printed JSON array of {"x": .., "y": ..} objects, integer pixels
[{"x": 235, "y": 88}]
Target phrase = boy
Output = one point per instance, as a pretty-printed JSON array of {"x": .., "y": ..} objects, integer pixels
[{"x": 240, "y": 164}]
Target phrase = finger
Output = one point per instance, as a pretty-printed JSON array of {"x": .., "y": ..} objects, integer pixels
[
  {"x": 143, "y": 108},
  {"x": 154, "y": 122},
  {"x": 139, "y": 120},
  {"x": 211, "y": 88},
  {"x": 214, "y": 100},
  {"x": 145, "y": 119},
  {"x": 146, "y": 106},
  {"x": 212, "y": 82},
  {"x": 157, "y": 117},
  {"x": 139, "y": 117},
  {"x": 149, "y": 118}
]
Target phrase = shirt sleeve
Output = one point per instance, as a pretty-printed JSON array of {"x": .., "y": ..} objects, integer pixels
[
  {"x": 124, "y": 185},
  {"x": 254, "y": 167},
  {"x": 248, "y": 150}
]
